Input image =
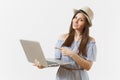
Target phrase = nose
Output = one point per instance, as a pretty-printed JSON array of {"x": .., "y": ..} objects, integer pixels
[{"x": 76, "y": 21}]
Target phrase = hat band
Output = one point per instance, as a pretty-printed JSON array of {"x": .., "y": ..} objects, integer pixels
[{"x": 84, "y": 12}]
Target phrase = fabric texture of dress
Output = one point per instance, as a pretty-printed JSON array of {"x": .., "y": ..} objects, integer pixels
[{"x": 64, "y": 74}]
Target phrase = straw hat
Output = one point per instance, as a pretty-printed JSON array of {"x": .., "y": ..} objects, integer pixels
[{"x": 87, "y": 12}]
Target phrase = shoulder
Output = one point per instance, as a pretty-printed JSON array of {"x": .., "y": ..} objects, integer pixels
[
  {"x": 63, "y": 36},
  {"x": 91, "y": 39}
]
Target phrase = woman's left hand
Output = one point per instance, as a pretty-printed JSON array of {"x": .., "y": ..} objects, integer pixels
[{"x": 66, "y": 51}]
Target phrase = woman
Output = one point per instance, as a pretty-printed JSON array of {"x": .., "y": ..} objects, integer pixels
[{"x": 76, "y": 47}]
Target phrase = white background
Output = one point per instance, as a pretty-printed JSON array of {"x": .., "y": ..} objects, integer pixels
[{"x": 44, "y": 21}]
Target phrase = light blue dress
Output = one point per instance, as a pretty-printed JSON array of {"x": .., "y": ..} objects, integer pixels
[{"x": 64, "y": 74}]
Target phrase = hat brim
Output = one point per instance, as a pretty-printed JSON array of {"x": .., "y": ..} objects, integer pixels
[{"x": 75, "y": 11}]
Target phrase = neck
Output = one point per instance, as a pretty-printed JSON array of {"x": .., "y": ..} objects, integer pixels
[
  {"x": 77, "y": 36},
  {"x": 77, "y": 33}
]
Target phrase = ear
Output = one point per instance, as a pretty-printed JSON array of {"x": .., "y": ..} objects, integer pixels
[{"x": 75, "y": 11}]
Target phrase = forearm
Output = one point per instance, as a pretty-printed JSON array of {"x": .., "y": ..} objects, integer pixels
[
  {"x": 86, "y": 64},
  {"x": 82, "y": 62}
]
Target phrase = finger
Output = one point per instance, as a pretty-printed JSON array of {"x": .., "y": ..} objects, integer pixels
[
  {"x": 58, "y": 48},
  {"x": 34, "y": 65},
  {"x": 40, "y": 66},
  {"x": 35, "y": 60}
]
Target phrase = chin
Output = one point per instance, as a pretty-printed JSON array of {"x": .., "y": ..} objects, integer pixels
[{"x": 75, "y": 28}]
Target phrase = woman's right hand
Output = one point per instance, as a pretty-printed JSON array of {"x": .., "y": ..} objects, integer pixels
[{"x": 37, "y": 64}]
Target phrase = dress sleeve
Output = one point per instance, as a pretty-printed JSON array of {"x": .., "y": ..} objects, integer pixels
[
  {"x": 91, "y": 51},
  {"x": 57, "y": 52}
]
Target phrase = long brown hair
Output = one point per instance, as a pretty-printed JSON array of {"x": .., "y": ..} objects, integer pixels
[{"x": 85, "y": 36}]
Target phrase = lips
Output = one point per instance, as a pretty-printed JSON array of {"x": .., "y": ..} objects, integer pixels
[{"x": 75, "y": 25}]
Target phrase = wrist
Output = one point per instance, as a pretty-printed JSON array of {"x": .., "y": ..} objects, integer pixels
[{"x": 71, "y": 55}]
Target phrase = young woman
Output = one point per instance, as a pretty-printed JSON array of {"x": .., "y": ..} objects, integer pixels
[{"x": 76, "y": 47}]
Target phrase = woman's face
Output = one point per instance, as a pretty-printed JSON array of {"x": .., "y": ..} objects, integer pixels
[{"x": 79, "y": 21}]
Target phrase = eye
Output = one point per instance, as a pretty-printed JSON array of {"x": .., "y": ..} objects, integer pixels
[
  {"x": 80, "y": 19},
  {"x": 75, "y": 17}
]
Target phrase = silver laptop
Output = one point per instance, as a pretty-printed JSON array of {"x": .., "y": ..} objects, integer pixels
[{"x": 34, "y": 51}]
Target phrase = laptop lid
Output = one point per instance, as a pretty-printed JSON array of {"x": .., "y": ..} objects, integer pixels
[{"x": 33, "y": 51}]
